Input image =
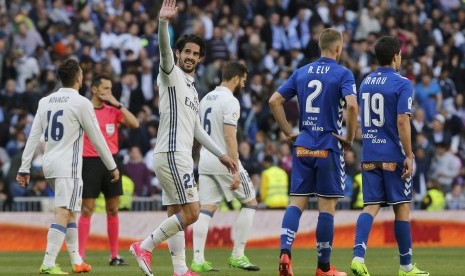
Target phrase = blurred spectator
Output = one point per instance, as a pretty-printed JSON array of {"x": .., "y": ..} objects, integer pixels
[
  {"x": 455, "y": 199},
  {"x": 27, "y": 39},
  {"x": 26, "y": 67},
  {"x": 5, "y": 196},
  {"x": 445, "y": 166},
  {"x": 138, "y": 172},
  {"x": 428, "y": 94},
  {"x": 434, "y": 200},
  {"x": 274, "y": 188}
]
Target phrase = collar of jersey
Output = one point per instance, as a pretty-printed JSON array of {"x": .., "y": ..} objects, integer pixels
[
  {"x": 326, "y": 60},
  {"x": 222, "y": 88},
  {"x": 67, "y": 89},
  {"x": 385, "y": 69},
  {"x": 189, "y": 77}
]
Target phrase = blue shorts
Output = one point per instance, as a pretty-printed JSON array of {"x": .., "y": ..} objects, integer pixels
[
  {"x": 384, "y": 184},
  {"x": 317, "y": 172}
]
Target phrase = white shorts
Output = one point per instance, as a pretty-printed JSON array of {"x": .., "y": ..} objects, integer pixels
[
  {"x": 214, "y": 187},
  {"x": 175, "y": 171},
  {"x": 68, "y": 192}
]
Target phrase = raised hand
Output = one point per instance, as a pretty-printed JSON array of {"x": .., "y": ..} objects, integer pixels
[{"x": 168, "y": 10}]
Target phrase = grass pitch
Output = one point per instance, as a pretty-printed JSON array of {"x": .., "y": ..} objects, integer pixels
[{"x": 380, "y": 261}]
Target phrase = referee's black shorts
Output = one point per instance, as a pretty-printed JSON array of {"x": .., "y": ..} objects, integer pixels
[{"x": 97, "y": 178}]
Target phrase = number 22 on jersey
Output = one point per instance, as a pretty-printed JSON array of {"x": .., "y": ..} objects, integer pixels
[{"x": 55, "y": 126}]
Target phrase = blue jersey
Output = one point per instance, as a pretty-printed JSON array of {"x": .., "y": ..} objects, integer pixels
[
  {"x": 320, "y": 88},
  {"x": 383, "y": 95}
]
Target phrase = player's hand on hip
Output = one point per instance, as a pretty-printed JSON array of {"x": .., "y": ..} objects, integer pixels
[
  {"x": 23, "y": 179},
  {"x": 291, "y": 137},
  {"x": 236, "y": 182},
  {"x": 229, "y": 163},
  {"x": 168, "y": 10},
  {"x": 408, "y": 168},
  {"x": 114, "y": 176},
  {"x": 346, "y": 144}
]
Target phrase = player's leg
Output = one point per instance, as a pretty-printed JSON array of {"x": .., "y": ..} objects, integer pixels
[
  {"x": 243, "y": 224},
  {"x": 57, "y": 231},
  {"x": 399, "y": 194},
  {"x": 329, "y": 188},
  {"x": 111, "y": 206},
  {"x": 71, "y": 238},
  {"x": 373, "y": 197},
  {"x": 179, "y": 190},
  {"x": 112, "y": 191},
  {"x": 209, "y": 195},
  {"x": 302, "y": 178},
  {"x": 93, "y": 171}
]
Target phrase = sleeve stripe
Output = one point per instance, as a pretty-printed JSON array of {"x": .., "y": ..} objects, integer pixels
[{"x": 167, "y": 73}]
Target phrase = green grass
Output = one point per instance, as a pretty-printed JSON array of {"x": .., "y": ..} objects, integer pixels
[{"x": 380, "y": 261}]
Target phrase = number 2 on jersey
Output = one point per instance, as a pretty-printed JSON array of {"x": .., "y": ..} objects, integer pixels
[
  {"x": 207, "y": 124},
  {"x": 374, "y": 103},
  {"x": 56, "y": 127},
  {"x": 309, "y": 108}
]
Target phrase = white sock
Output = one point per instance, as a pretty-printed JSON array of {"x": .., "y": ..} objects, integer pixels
[
  {"x": 168, "y": 228},
  {"x": 177, "y": 246},
  {"x": 242, "y": 228},
  {"x": 200, "y": 237},
  {"x": 55, "y": 238},
  {"x": 72, "y": 245},
  {"x": 406, "y": 268},
  {"x": 360, "y": 259}
]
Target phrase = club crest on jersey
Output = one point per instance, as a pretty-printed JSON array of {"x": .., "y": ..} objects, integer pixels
[{"x": 110, "y": 129}]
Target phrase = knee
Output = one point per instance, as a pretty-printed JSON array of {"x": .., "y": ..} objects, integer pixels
[
  {"x": 191, "y": 216},
  {"x": 86, "y": 211},
  {"x": 112, "y": 211}
]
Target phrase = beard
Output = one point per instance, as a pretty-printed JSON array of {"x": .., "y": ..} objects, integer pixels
[
  {"x": 237, "y": 89},
  {"x": 182, "y": 65}
]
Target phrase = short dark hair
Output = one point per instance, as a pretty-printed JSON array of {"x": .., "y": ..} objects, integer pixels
[
  {"x": 386, "y": 48},
  {"x": 68, "y": 72},
  {"x": 233, "y": 69},
  {"x": 190, "y": 38},
  {"x": 97, "y": 80}
]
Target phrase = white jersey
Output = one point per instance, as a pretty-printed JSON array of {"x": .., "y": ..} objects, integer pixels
[
  {"x": 217, "y": 108},
  {"x": 62, "y": 118},
  {"x": 179, "y": 107}
]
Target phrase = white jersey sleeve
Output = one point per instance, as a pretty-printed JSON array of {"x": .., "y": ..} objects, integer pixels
[
  {"x": 91, "y": 127},
  {"x": 32, "y": 141}
]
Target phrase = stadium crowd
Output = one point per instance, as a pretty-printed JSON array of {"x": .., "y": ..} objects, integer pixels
[{"x": 272, "y": 37}]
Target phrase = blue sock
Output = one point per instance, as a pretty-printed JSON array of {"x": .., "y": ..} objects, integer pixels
[
  {"x": 289, "y": 227},
  {"x": 324, "y": 237},
  {"x": 404, "y": 241},
  {"x": 362, "y": 231}
]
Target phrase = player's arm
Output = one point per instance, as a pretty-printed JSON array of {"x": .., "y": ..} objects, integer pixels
[
  {"x": 276, "y": 103},
  {"x": 230, "y": 137},
  {"x": 404, "y": 107},
  {"x": 351, "y": 118},
  {"x": 89, "y": 123},
  {"x": 168, "y": 11},
  {"x": 205, "y": 140},
  {"x": 33, "y": 140}
]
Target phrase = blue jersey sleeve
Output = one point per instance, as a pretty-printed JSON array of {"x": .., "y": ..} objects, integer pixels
[
  {"x": 405, "y": 98},
  {"x": 289, "y": 89},
  {"x": 348, "y": 84}
]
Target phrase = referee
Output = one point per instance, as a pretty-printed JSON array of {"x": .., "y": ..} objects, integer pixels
[{"x": 95, "y": 176}]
